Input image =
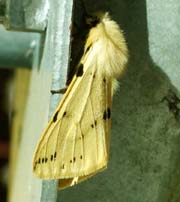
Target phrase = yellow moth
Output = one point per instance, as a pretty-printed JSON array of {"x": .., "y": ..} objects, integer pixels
[{"x": 75, "y": 144}]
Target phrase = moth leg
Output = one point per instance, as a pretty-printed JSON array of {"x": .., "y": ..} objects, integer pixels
[
  {"x": 60, "y": 91},
  {"x": 74, "y": 181}
]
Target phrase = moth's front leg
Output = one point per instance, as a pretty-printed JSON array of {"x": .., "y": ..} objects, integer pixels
[{"x": 60, "y": 91}]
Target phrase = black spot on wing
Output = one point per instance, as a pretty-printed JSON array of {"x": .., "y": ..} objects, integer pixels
[
  {"x": 55, "y": 155},
  {"x": 87, "y": 49},
  {"x": 64, "y": 114},
  {"x": 74, "y": 159},
  {"x": 107, "y": 114},
  {"x": 80, "y": 71},
  {"x": 55, "y": 116},
  {"x": 104, "y": 115}
]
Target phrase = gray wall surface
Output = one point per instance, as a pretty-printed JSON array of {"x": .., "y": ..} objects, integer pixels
[{"x": 145, "y": 139}]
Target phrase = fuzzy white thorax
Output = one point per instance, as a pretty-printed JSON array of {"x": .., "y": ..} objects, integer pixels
[{"x": 109, "y": 50}]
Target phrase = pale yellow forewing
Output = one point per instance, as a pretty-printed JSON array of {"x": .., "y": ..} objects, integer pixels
[{"x": 76, "y": 141}]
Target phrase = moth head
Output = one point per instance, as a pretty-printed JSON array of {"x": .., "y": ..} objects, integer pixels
[{"x": 96, "y": 18}]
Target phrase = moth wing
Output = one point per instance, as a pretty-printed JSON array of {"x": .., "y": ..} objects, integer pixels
[
  {"x": 76, "y": 141},
  {"x": 66, "y": 182},
  {"x": 101, "y": 165}
]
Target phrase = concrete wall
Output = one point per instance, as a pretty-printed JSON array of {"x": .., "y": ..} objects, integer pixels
[{"x": 145, "y": 141}]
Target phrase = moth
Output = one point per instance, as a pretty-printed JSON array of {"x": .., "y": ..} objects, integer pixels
[{"x": 75, "y": 144}]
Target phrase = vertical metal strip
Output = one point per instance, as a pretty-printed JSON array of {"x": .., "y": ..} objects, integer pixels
[{"x": 60, "y": 16}]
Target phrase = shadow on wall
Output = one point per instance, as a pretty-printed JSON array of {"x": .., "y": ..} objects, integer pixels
[{"x": 144, "y": 156}]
